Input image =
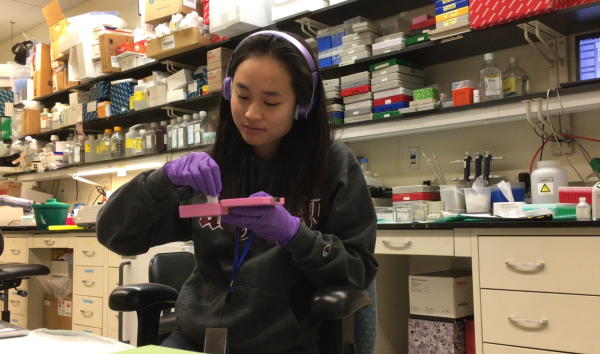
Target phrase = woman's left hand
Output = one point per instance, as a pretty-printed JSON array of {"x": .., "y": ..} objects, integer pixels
[{"x": 269, "y": 222}]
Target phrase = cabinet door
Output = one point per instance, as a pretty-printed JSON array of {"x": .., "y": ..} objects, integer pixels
[
  {"x": 87, "y": 311},
  {"x": 15, "y": 249},
  {"x": 88, "y": 281},
  {"x": 16, "y": 304},
  {"x": 88, "y": 252}
]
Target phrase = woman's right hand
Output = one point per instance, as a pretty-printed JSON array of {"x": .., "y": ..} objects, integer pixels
[{"x": 197, "y": 170}]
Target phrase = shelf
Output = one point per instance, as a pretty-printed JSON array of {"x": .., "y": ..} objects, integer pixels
[{"x": 577, "y": 99}]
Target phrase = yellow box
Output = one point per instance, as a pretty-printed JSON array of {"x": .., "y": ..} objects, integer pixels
[
  {"x": 452, "y": 14},
  {"x": 103, "y": 109}
]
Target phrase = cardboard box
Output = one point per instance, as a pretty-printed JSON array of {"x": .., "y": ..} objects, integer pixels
[
  {"x": 177, "y": 95},
  {"x": 31, "y": 122},
  {"x": 108, "y": 51},
  {"x": 5, "y": 97},
  {"x": 78, "y": 97},
  {"x": 157, "y": 95},
  {"x": 217, "y": 65},
  {"x": 133, "y": 48},
  {"x": 53, "y": 13},
  {"x": 103, "y": 109},
  {"x": 98, "y": 31},
  {"x": 220, "y": 54},
  {"x": 41, "y": 58},
  {"x": 176, "y": 43},
  {"x": 216, "y": 76},
  {"x": 96, "y": 52},
  {"x": 11, "y": 188},
  {"x": 59, "y": 29},
  {"x": 59, "y": 81},
  {"x": 179, "y": 79},
  {"x": 100, "y": 91},
  {"x": 73, "y": 37},
  {"x": 90, "y": 111},
  {"x": 56, "y": 55},
  {"x": 159, "y": 11},
  {"x": 446, "y": 294},
  {"x": 425, "y": 337},
  {"x": 120, "y": 93},
  {"x": 215, "y": 87},
  {"x": 58, "y": 313},
  {"x": 486, "y": 13},
  {"x": 9, "y": 214},
  {"x": 130, "y": 61}
]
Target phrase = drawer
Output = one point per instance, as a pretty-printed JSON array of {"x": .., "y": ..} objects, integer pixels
[
  {"x": 18, "y": 320},
  {"x": 502, "y": 349},
  {"x": 571, "y": 321},
  {"x": 87, "y": 311},
  {"x": 544, "y": 264},
  {"x": 16, "y": 303},
  {"x": 113, "y": 318},
  {"x": 15, "y": 250},
  {"x": 85, "y": 329},
  {"x": 88, "y": 281},
  {"x": 88, "y": 251},
  {"x": 114, "y": 260},
  {"x": 113, "y": 280},
  {"x": 113, "y": 334},
  {"x": 418, "y": 242},
  {"x": 50, "y": 241}
]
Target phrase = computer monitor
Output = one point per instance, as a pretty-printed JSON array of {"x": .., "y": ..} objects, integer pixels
[{"x": 588, "y": 56}]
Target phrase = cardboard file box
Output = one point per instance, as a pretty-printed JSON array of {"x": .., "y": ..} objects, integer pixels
[
  {"x": 120, "y": 91},
  {"x": 11, "y": 188},
  {"x": 219, "y": 55},
  {"x": 90, "y": 111},
  {"x": 447, "y": 294},
  {"x": 176, "y": 43},
  {"x": 159, "y": 11},
  {"x": 426, "y": 337},
  {"x": 31, "y": 122},
  {"x": 100, "y": 91},
  {"x": 108, "y": 51}
]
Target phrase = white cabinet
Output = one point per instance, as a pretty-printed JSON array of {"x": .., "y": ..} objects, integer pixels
[{"x": 418, "y": 242}]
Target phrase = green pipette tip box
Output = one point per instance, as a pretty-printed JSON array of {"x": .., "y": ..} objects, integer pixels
[
  {"x": 336, "y": 121},
  {"x": 395, "y": 61},
  {"x": 389, "y": 114},
  {"x": 425, "y": 93},
  {"x": 417, "y": 39}
]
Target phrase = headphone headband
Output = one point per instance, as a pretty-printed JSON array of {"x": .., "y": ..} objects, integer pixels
[{"x": 301, "y": 112}]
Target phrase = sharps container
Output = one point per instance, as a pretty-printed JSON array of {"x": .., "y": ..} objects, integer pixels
[
  {"x": 453, "y": 198},
  {"x": 478, "y": 200},
  {"x": 50, "y": 213}
]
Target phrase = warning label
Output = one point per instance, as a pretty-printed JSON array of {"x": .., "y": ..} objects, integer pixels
[{"x": 545, "y": 186}]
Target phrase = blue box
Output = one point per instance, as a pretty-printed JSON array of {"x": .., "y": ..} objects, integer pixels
[
  {"x": 5, "y": 97},
  {"x": 390, "y": 107},
  {"x": 324, "y": 43},
  {"x": 119, "y": 96},
  {"x": 90, "y": 111},
  {"x": 100, "y": 91},
  {"x": 201, "y": 73},
  {"x": 194, "y": 88},
  {"x": 339, "y": 115},
  {"x": 336, "y": 59},
  {"x": 323, "y": 63},
  {"x": 451, "y": 6},
  {"x": 518, "y": 195}
]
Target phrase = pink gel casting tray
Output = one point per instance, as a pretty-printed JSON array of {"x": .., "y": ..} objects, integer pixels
[{"x": 222, "y": 208}]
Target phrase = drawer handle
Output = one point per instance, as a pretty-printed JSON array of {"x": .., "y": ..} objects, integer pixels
[
  {"x": 88, "y": 281},
  {"x": 386, "y": 242},
  {"x": 516, "y": 319},
  {"x": 84, "y": 312},
  {"x": 16, "y": 251},
  {"x": 18, "y": 302},
  {"x": 49, "y": 241},
  {"x": 525, "y": 264},
  {"x": 86, "y": 252}
]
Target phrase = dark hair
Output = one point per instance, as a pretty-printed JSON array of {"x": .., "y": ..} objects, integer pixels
[{"x": 300, "y": 162}]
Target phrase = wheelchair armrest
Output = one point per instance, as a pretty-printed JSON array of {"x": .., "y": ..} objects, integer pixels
[
  {"x": 136, "y": 297},
  {"x": 338, "y": 302}
]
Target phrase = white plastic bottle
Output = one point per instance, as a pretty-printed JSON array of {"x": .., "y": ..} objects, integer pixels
[
  {"x": 583, "y": 210},
  {"x": 90, "y": 148},
  {"x": 105, "y": 146},
  {"x": 130, "y": 142},
  {"x": 55, "y": 116},
  {"x": 44, "y": 120},
  {"x": 191, "y": 136},
  {"x": 49, "y": 119},
  {"x": 476, "y": 98},
  {"x": 546, "y": 180},
  {"x": 182, "y": 132},
  {"x": 596, "y": 202},
  {"x": 140, "y": 101},
  {"x": 68, "y": 155},
  {"x": 174, "y": 133},
  {"x": 140, "y": 147}
]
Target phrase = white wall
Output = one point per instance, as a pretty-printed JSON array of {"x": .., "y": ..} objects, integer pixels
[{"x": 128, "y": 10}]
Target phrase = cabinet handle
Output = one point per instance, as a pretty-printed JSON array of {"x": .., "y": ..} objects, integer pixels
[
  {"x": 84, "y": 312},
  {"x": 514, "y": 264},
  {"x": 49, "y": 241},
  {"x": 516, "y": 319},
  {"x": 386, "y": 242},
  {"x": 88, "y": 281},
  {"x": 86, "y": 252},
  {"x": 16, "y": 251},
  {"x": 18, "y": 302}
]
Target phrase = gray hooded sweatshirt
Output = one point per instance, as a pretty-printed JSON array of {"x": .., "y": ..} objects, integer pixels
[{"x": 269, "y": 311}]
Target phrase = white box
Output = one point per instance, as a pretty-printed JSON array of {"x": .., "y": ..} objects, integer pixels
[
  {"x": 446, "y": 294},
  {"x": 36, "y": 196},
  {"x": 179, "y": 80},
  {"x": 229, "y": 18},
  {"x": 390, "y": 43},
  {"x": 98, "y": 69},
  {"x": 61, "y": 269},
  {"x": 75, "y": 114},
  {"x": 96, "y": 52},
  {"x": 284, "y": 9},
  {"x": 393, "y": 92},
  {"x": 358, "y": 105},
  {"x": 158, "y": 95},
  {"x": 81, "y": 66},
  {"x": 500, "y": 208},
  {"x": 143, "y": 60},
  {"x": 78, "y": 97},
  {"x": 177, "y": 95},
  {"x": 74, "y": 36},
  {"x": 129, "y": 62}
]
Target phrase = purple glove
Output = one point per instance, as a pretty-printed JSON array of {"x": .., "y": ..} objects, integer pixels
[
  {"x": 269, "y": 222},
  {"x": 197, "y": 170}
]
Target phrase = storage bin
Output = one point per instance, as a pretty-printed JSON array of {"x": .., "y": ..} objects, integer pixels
[
  {"x": 50, "y": 213},
  {"x": 478, "y": 200},
  {"x": 572, "y": 194},
  {"x": 463, "y": 96},
  {"x": 453, "y": 198},
  {"x": 518, "y": 191},
  {"x": 284, "y": 9},
  {"x": 230, "y": 18}
]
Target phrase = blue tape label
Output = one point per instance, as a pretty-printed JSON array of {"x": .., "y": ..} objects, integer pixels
[
  {"x": 85, "y": 301},
  {"x": 88, "y": 271}
]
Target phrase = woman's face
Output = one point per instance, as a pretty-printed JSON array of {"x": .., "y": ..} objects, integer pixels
[{"x": 263, "y": 104}]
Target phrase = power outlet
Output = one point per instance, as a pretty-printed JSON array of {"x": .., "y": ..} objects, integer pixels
[
  {"x": 566, "y": 147},
  {"x": 414, "y": 158}
]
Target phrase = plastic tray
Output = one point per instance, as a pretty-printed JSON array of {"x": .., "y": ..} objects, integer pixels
[
  {"x": 392, "y": 99},
  {"x": 398, "y": 69},
  {"x": 356, "y": 90},
  {"x": 357, "y": 98},
  {"x": 391, "y": 107},
  {"x": 388, "y": 114},
  {"x": 218, "y": 209}
]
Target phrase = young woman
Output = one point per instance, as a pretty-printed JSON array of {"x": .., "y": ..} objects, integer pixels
[{"x": 273, "y": 139}]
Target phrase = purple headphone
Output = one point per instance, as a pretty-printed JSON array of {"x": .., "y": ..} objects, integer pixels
[{"x": 301, "y": 112}]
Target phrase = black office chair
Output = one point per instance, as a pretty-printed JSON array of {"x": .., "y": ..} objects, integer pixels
[
  {"x": 11, "y": 276},
  {"x": 336, "y": 305}
]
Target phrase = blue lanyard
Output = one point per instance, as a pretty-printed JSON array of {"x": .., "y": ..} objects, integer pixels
[{"x": 238, "y": 263}]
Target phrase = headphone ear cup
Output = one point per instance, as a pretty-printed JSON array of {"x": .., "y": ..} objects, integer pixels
[
  {"x": 227, "y": 88},
  {"x": 301, "y": 112}
]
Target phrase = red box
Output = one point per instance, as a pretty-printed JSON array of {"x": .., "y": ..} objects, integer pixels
[
  {"x": 131, "y": 47},
  {"x": 488, "y": 13},
  {"x": 411, "y": 197},
  {"x": 356, "y": 90},
  {"x": 572, "y": 194},
  {"x": 424, "y": 24},
  {"x": 206, "y": 12},
  {"x": 470, "y": 336},
  {"x": 421, "y": 18},
  {"x": 463, "y": 96},
  {"x": 393, "y": 99},
  {"x": 580, "y": 2}
]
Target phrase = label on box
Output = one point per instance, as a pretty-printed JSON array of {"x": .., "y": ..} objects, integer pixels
[
  {"x": 449, "y": 7},
  {"x": 115, "y": 62},
  {"x": 190, "y": 3},
  {"x": 444, "y": 2},
  {"x": 46, "y": 302},
  {"x": 65, "y": 308},
  {"x": 493, "y": 86},
  {"x": 193, "y": 87},
  {"x": 450, "y": 22},
  {"x": 388, "y": 101},
  {"x": 91, "y": 107},
  {"x": 168, "y": 42}
]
